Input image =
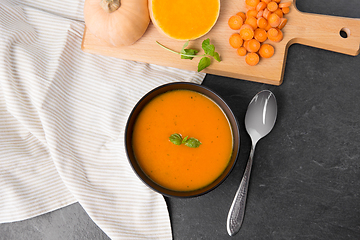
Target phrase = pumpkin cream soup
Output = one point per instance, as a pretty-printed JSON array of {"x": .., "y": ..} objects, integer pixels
[{"x": 182, "y": 167}]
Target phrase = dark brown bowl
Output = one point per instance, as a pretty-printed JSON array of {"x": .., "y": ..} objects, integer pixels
[{"x": 176, "y": 86}]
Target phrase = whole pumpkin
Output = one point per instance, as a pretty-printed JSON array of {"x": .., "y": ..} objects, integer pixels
[{"x": 118, "y": 22}]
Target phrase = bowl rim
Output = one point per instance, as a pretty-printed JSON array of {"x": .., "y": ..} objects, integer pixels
[{"x": 181, "y": 86}]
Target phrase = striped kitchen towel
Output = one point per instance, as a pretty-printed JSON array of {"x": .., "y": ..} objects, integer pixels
[{"x": 62, "y": 119}]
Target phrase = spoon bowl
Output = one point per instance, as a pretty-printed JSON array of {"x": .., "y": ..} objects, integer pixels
[
  {"x": 261, "y": 115},
  {"x": 259, "y": 121}
]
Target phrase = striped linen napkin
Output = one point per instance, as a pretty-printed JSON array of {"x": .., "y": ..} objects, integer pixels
[{"x": 62, "y": 119}]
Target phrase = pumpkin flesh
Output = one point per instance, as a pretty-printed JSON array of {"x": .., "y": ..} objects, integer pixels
[{"x": 184, "y": 19}]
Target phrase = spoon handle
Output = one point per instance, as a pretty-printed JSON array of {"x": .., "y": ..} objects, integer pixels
[{"x": 237, "y": 209}]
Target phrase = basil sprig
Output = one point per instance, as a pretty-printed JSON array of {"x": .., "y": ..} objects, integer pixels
[{"x": 188, "y": 53}]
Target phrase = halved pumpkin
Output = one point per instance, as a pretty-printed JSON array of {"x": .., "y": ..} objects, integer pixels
[{"x": 184, "y": 19}]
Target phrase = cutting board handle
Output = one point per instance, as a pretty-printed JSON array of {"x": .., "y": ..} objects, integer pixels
[{"x": 332, "y": 33}]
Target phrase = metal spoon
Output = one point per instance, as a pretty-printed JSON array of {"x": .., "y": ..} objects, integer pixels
[{"x": 259, "y": 120}]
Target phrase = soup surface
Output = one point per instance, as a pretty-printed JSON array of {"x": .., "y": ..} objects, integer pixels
[{"x": 179, "y": 167}]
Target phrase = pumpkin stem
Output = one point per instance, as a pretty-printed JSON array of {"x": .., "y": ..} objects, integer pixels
[{"x": 110, "y": 5}]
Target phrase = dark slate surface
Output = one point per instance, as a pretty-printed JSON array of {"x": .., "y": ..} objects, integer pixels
[{"x": 305, "y": 181}]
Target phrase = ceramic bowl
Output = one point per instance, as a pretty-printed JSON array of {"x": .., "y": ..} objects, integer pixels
[{"x": 177, "y": 86}]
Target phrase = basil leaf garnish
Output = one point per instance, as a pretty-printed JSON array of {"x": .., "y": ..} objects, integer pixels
[
  {"x": 176, "y": 139},
  {"x": 193, "y": 143},
  {"x": 189, "y": 142}
]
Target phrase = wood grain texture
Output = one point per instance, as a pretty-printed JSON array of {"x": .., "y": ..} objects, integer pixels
[{"x": 315, "y": 30}]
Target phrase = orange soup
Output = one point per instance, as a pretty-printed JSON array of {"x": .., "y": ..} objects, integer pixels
[{"x": 179, "y": 167}]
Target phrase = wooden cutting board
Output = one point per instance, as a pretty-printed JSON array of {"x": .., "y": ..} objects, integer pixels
[{"x": 315, "y": 30}]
